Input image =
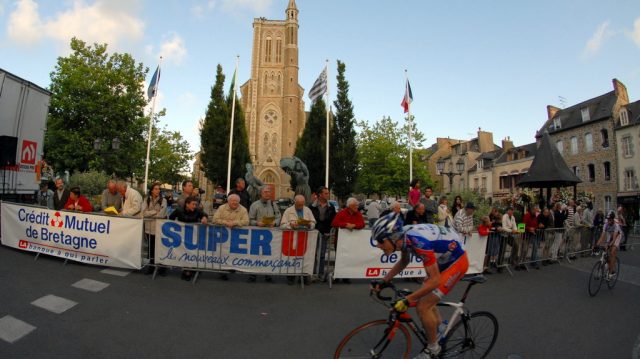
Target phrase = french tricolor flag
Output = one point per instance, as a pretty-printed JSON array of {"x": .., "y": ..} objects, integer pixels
[{"x": 408, "y": 98}]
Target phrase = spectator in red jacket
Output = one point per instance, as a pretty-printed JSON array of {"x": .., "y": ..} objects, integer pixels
[
  {"x": 531, "y": 225},
  {"x": 350, "y": 217},
  {"x": 77, "y": 202}
]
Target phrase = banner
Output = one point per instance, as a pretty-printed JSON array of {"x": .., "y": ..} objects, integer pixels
[
  {"x": 243, "y": 249},
  {"x": 358, "y": 257},
  {"x": 81, "y": 237}
]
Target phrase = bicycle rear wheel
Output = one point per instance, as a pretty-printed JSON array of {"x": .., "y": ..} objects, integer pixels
[
  {"x": 616, "y": 268},
  {"x": 595, "y": 279},
  {"x": 471, "y": 338},
  {"x": 375, "y": 339}
]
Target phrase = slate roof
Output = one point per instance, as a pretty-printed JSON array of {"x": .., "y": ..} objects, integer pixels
[
  {"x": 548, "y": 168},
  {"x": 530, "y": 149},
  {"x": 600, "y": 108}
]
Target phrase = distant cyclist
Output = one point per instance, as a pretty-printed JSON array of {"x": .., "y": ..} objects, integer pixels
[
  {"x": 612, "y": 233},
  {"x": 444, "y": 260}
]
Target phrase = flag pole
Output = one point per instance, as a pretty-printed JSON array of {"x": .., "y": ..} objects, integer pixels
[
  {"x": 153, "y": 108},
  {"x": 233, "y": 114},
  {"x": 326, "y": 170},
  {"x": 410, "y": 129}
]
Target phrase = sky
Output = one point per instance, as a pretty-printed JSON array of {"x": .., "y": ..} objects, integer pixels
[{"x": 494, "y": 65}]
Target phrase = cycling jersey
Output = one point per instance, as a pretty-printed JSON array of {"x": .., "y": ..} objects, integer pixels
[
  {"x": 433, "y": 244},
  {"x": 610, "y": 231}
]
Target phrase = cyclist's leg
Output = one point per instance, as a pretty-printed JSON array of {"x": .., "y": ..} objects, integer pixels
[
  {"x": 429, "y": 316},
  {"x": 612, "y": 257}
]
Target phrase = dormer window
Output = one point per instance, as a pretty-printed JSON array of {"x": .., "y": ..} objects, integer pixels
[
  {"x": 480, "y": 164},
  {"x": 557, "y": 123},
  {"x": 585, "y": 114},
  {"x": 624, "y": 117}
]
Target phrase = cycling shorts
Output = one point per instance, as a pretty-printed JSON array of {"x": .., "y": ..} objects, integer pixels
[{"x": 452, "y": 275}]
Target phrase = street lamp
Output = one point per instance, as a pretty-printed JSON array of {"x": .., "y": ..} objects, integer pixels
[
  {"x": 459, "y": 167},
  {"x": 97, "y": 146}
]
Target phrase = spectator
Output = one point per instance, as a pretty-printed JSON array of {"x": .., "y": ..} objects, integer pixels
[
  {"x": 444, "y": 215},
  {"x": 324, "y": 213},
  {"x": 61, "y": 196},
  {"x": 219, "y": 197},
  {"x": 45, "y": 196},
  {"x": 373, "y": 211},
  {"x": 190, "y": 213},
  {"x": 493, "y": 242},
  {"x": 245, "y": 199},
  {"x": 349, "y": 217},
  {"x": 531, "y": 235},
  {"x": 484, "y": 230},
  {"x": 623, "y": 221},
  {"x": 414, "y": 193},
  {"x": 430, "y": 204},
  {"x": 457, "y": 205},
  {"x": 263, "y": 213},
  {"x": 77, "y": 202},
  {"x": 394, "y": 206},
  {"x": 571, "y": 230},
  {"x": 463, "y": 221},
  {"x": 111, "y": 197},
  {"x": 417, "y": 215},
  {"x": 131, "y": 200},
  {"x": 509, "y": 233},
  {"x": 187, "y": 191},
  {"x": 231, "y": 214},
  {"x": 153, "y": 207},
  {"x": 559, "y": 217},
  {"x": 545, "y": 225},
  {"x": 298, "y": 216}
]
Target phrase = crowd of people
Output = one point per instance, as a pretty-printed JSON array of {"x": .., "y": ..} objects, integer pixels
[{"x": 563, "y": 228}]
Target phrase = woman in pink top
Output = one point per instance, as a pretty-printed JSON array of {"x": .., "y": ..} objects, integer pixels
[{"x": 414, "y": 193}]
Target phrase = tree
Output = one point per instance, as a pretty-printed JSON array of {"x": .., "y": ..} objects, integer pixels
[
  {"x": 343, "y": 156},
  {"x": 310, "y": 147},
  {"x": 95, "y": 95},
  {"x": 169, "y": 157},
  {"x": 384, "y": 152},
  {"x": 214, "y": 135}
]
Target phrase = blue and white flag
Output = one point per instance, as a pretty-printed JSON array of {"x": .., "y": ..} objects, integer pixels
[{"x": 153, "y": 86}]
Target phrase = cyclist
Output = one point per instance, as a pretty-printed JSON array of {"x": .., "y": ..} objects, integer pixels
[
  {"x": 444, "y": 260},
  {"x": 612, "y": 232}
]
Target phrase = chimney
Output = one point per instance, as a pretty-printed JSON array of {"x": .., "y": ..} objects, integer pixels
[
  {"x": 551, "y": 111},
  {"x": 621, "y": 91},
  {"x": 485, "y": 141},
  {"x": 507, "y": 144}
]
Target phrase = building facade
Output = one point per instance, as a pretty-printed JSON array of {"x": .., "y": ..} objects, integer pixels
[
  {"x": 584, "y": 136},
  {"x": 508, "y": 167},
  {"x": 627, "y": 133},
  {"x": 272, "y": 98}
]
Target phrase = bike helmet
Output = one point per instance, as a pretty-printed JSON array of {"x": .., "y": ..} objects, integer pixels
[{"x": 386, "y": 226}]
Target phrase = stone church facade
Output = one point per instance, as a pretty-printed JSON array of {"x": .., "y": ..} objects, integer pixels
[{"x": 272, "y": 98}]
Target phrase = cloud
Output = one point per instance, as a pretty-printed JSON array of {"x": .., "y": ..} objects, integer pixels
[
  {"x": 104, "y": 21},
  {"x": 256, "y": 6},
  {"x": 173, "y": 49},
  {"x": 199, "y": 11},
  {"x": 597, "y": 39},
  {"x": 635, "y": 33}
]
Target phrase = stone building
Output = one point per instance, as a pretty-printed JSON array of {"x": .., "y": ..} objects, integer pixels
[
  {"x": 272, "y": 98},
  {"x": 509, "y": 166},
  {"x": 627, "y": 134},
  {"x": 584, "y": 135}
]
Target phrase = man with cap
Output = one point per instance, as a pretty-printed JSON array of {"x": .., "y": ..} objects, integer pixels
[{"x": 463, "y": 222}]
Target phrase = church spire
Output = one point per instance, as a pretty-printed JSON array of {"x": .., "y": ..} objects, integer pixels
[
  {"x": 292, "y": 5},
  {"x": 292, "y": 11}
]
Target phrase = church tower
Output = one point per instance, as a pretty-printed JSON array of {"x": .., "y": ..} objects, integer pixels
[{"x": 272, "y": 98}]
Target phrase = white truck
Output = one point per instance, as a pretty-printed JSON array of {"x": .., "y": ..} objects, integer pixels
[{"x": 23, "y": 116}]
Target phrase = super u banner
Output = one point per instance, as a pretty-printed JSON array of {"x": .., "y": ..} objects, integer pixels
[
  {"x": 82, "y": 237},
  {"x": 244, "y": 249}
]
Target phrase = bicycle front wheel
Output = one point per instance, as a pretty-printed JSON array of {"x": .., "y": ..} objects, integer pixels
[
  {"x": 471, "y": 338},
  {"x": 375, "y": 339},
  {"x": 613, "y": 280},
  {"x": 595, "y": 279}
]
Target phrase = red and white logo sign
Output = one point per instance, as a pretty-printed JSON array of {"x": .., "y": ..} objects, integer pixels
[
  {"x": 28, "y": 154},
  {"x": 23, "y": 244},
  {"x": 372, "y": 272}
]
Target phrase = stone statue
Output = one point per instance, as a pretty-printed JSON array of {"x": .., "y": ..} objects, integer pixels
[
  {"x": 295, "y": 168},
  {"x": 254, "y": 184}
]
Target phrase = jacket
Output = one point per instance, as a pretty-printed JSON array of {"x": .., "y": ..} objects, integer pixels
[{"x": 324, "y": 225}]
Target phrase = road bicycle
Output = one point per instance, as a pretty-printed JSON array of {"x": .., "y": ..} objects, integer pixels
[
  {"x": 600, "y": 272},
  {"x": 467, "y": 335}
]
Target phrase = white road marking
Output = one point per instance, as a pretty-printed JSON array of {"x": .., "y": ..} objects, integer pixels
[
  {"x": 119, "y": 273},
  {"x": 90, "y": 285},
  {"x": 12, "y": 329},
  {"x": 54, "y": 303}
]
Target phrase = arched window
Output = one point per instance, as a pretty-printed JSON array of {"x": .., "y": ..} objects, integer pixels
[
  {"x": 605, "y": 137},
  {"x": 267, "y": 49},
  {"x": 278, "y": 50}
]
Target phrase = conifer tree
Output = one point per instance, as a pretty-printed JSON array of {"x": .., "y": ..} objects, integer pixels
[
  {"x": 310, "y": 147},
  {"x": 214, "y": 134},
  {"x": 343, "y": 154}
]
